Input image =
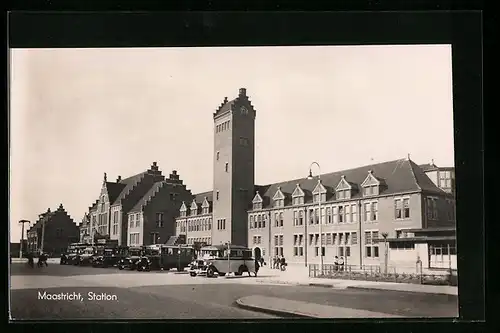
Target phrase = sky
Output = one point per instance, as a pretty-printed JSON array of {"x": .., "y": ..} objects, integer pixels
[{"x": 77, "y": 113}]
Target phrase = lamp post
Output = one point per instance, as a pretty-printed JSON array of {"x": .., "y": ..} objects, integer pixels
[
  {"x": 22, "y": 237},
  {"x": 319, "y": 213},
  {"x": 385, "y": 234}
]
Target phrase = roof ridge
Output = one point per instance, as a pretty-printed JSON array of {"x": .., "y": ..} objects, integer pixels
[
  {"x": 330, "y": 173},
  {"x": 413, "y": 175}
]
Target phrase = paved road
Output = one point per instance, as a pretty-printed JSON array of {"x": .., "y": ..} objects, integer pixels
[{"x": 168, "y": 295}]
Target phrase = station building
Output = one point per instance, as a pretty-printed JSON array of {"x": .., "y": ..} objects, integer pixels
[{"x": 386, "y": 201}]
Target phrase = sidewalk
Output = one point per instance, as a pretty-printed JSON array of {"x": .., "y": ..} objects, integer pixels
[
  {"x": 24, "y": 260},
  {"x": 289, "y": 308},
  {"x": 300, "y": 276}
]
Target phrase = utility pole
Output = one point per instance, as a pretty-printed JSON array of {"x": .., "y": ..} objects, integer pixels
[
  {"x": 385, "y": 234},
  {"x": 22, "y": 237},
  {"x": 43, "y": 234}
]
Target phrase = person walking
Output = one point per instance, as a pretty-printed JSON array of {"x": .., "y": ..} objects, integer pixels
[
  {"x": 341, "y": 263},
  {"x": 336, "y": 262}
]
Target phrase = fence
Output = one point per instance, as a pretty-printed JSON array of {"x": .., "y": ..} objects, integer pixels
[{"x": 392, "y": 274}]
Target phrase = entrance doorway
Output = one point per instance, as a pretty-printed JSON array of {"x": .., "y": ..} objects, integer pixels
[{"x": 257, "y": 253}]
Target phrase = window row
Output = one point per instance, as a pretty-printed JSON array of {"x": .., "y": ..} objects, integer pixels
[
  {"x": 431, "y": 207},
  {"x": 134, "y": 220},
  {"x": 197, "y": 225},
  {"x": 205, "y": 240},
  {"x": 221, "y": 224},
  {"x": 223, "y": 126},
  {"x": 442, "y": 249},
  {"x": 257, "y": 221},
  {"x": 194, "y": 212},
  {"x": 134, "y": 238},
  {"x": 340, "y": 251},
  {"x": 334, "y": 238},
  {"x": 244, "y": 142},
  {"x": 257, "y": 240}
]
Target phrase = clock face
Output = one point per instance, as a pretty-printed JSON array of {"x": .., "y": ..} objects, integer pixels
[{"x": 244, "y": 110}]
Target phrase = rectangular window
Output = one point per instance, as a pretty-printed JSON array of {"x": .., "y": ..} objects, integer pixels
[
  {"x": 281, "y": 219},
  {"x": 340, "y": 194},
  {"x": 322, "y": 216},
  {"x": 159, "y": 220},
  {"x": 347, "y": 251},
  {"x": 354, "y": 213},
  {"x": 406, "y": 208},
  {"x": 334, "y": 239},
  {"x": 367, "y": 211},
  {"x": 341, "y": 214},
  {"x": 354, "y": 238},
  {"x": 371, "y": 247},
  {"x": 311, "y": 216},
  {"x": 374, "y": 211},
  {"x": 398, "y": 213},
  {"x": 311, "y": 237},
  {"x": 217, "y": 195},
  {"x": 347, "y": 213},
  {"x": 316, "y": 216},
  {"x": 131, "y": 220},
  {"x": 295, "y": 218},
  {"x": 328, "y": 215},
  {"x": 259, "y": 221},
  {"x": 281, "y": 240},
  {"x": 328, "y": 239},
  {"x": 251, "y": 222},
  {"x": 301, "y": 218}
]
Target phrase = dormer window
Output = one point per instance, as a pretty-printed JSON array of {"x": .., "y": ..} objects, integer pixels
[
  {"x": 194, "y": 208},
  {"x": 279, "y": 198},
  {"x": 257, "y": 202},
  {"x": 343, "y": 189},
  {"x": 183, "y": 210},
  {"x": 205, "y": 206},
  {"x": 371, "y": 185},
  {"x": 298, "y": 196},
  {"x": 319, "y": 193}
]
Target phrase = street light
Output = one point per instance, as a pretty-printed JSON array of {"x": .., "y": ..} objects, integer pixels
[
  {"x": 22, "y": 237},
  {"x": 319, "y": 213}
]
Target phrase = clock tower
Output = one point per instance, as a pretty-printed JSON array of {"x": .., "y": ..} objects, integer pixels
[{"x": 234, "y": 169}]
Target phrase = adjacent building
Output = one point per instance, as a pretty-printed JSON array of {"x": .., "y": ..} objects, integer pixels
[
  {"x": 56, "y": 228},
  {"x": 138, "y": 210},
  {"x": 395, "y": 205}
]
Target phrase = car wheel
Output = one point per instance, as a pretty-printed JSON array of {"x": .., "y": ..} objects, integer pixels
[
  {"x": 222, "y": 274},
  {"x": 192, "y": 274},
  {"x": 210, "y": 272},
  {"x": 241, "y": 270},
  {"x": 120, "y": 267}
]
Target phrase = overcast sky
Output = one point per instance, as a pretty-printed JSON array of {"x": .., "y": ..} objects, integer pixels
[{"x": 77, "y": 113}]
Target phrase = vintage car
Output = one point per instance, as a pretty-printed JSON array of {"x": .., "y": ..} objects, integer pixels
[
  {"x": 223, "y": 259},
  {"x": 131, "y": 258},
  {"x": 67, "y": 258},
  {"x": 110, "y": 257},
  {"x": 166, "y": 257},
  {"x": 85, "y": 258}
]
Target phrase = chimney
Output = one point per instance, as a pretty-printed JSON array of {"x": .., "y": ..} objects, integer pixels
[
  {"x": 243, "y": 92},
  {"x": 370, "y": 172},
  {"x": 225, "y": 100},
  {"x": 154, "y": 163},
  {"x": 119, "y": 179}
]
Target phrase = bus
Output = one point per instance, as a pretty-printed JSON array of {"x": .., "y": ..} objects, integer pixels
[
  {"x": 165, "y": 257},
  {"x": 223, "y": 259}
]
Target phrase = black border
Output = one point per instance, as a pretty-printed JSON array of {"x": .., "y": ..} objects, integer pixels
[{"x": 461, "y": 29}]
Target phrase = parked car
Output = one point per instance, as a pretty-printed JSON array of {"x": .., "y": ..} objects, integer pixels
[
  {"x": 166, "y": 257},
  {"x": 214, "y": 261},
  {"x": 131, "y": 258},
  {"x": 111, "y": 257},
  {"x": 68, "y": 257},
  {"x": 84, "y": 258}
]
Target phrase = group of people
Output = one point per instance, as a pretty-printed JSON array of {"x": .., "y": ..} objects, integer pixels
[
  {"x": 339, "y": 263},
  {"x": 42, "y": 259},
  {"x": 279, "y": 262}
]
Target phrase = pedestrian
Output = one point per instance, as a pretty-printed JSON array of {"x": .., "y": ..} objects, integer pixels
[
  {"x": 282, "y": 263},
  {"x": 336, "y": 262},
  {"x": 30, "y": 260},
  {"x": 256, "y": 267},
  {"x": 341, "y": 263}
]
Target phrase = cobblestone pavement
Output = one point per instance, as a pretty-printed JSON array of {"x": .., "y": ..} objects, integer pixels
[{"x": 172, "y": 295}]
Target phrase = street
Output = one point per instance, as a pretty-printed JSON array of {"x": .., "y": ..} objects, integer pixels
[{"x": 172, "y": 295}]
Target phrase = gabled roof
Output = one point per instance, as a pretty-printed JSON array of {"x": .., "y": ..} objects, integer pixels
[
  {"x": 129, "y": 184},
  {"x": 399, "y": 176},
  {"x": 257, "y": 198},
  {"x": 279, "y": 195},
  {"x": 319, "y": 188},
  {"x": 344, "y": 184},
  {"x": 114, "y": 190},
  {"x": 371, "y": 180},
  {"x": 227, "y": 105},
  {"x": 200, "y": 197},
  {"x": 144, "y": 200},
  {"x": 298, "y": 192},
  {"x": 183, "y": 207}
]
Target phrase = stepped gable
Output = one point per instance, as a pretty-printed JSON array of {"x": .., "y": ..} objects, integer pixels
[
  {"x": 147, "y": 197},
  {"x": 129, "y": 184},
  {"x": 397, "y": 176},
  {"x": 227, "y": 106},
  {"x": 114, "y": 190}
]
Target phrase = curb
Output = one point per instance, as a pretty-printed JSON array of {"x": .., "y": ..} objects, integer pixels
[
  {"x": 401, "y": 291},
  {"x": 280, "y": 313}
]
